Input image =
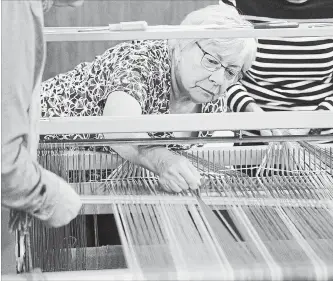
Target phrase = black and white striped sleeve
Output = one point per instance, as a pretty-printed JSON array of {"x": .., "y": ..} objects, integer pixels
[
  {"x": 238, "y": 98},
  {"x": 327, "y": 104}
]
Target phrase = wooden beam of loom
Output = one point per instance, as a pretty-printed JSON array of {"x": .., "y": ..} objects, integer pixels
[
  {"x": 54, "y": 34},
  {"x": 96, "y": 205},
  {"x": 187, "y": 122}
]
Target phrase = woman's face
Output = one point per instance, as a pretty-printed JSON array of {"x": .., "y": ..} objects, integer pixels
[{"x": 206, "y": 69}]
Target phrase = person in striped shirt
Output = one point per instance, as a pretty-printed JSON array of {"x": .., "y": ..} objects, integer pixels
[{"x": 289, "y": 74}]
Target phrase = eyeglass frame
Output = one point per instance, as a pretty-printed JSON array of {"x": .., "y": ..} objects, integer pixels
[{"x": 237, "y": 77}]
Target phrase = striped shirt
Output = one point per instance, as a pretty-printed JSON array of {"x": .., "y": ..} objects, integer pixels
[{"x": 288, "y": 74}]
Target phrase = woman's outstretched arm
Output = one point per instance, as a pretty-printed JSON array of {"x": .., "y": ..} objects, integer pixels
[{"x": 175, "y": 172}]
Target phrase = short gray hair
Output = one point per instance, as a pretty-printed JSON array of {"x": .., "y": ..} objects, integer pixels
[{"x": 225, "y": 16}]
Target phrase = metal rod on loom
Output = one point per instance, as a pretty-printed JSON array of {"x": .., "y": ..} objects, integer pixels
[
  {"x": 228, "y": 201},
  {"x": 227, "y": 160},
  {"x": 195, "y": 140}
]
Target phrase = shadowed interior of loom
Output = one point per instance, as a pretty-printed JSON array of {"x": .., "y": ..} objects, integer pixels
[{"x": 270, "y": 215}]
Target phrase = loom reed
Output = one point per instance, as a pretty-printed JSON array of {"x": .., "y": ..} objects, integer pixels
[{"x": 274, "y": 205}]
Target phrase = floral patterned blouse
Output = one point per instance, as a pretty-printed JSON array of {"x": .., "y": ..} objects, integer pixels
[{"x": 140, "y": 68}]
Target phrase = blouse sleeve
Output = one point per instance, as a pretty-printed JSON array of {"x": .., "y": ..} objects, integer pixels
[{"x": 130, "y": 67}]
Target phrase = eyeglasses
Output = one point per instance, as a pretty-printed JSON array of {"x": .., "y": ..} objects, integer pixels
[{"x": 212, "y": 64}]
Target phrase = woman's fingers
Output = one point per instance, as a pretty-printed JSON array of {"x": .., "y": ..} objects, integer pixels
[
  {"x": 196, "y": 173},
  {"x": 191, "y": 175},
  {"x": 266, "y": 133},
  {"x": 180, "y": 175},
  {"x": 179, "y": 179},
  {"x": 277, "y": 132},
  {"x": 299, "y": 131},
  {"x": 174, "y": 186},
  {"x": 169, "y": 185},
  {"x": 166, "y": 188}
]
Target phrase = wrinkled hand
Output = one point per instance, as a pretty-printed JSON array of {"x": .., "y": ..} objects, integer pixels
[
  {"x": 299, "y": 131},
  {"x": 176, "y": 173},
  {"x": 68, "y": 204},
  {"x": 277, "y": 132},
  {"x": 266, "y": 133},
  {"x": 274, "y": 132}
]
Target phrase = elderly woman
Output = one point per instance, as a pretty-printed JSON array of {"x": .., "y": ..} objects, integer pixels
[{"x": 156, "y": 77}]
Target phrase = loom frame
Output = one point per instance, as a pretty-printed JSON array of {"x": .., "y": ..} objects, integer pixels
[
  {"x": 56, "y": 34},
  {"x": 313, "y": 119},
  {"x": 187, "y": 122}
]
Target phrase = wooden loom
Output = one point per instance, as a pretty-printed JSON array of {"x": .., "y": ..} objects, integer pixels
[{"x": 283, "y": 220}]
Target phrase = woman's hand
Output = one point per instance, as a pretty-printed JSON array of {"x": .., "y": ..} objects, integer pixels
[
  {"x": 274, "y": 132},
  {"x": 299, "y": 131},
  {"x": 176, "y": 173},
  {"x": 277, "y": 132}
]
